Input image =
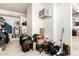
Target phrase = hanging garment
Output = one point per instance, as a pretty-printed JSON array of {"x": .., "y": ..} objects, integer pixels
[
  {"x": 16, "y": 30},
  {"x": 8, "y": 27},
  {"x": 24, "y": 30}
]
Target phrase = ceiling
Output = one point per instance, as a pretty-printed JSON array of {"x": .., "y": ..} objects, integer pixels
[
  {"x": 16, "y": 7},
  {"x": 75, "y": 10},
  {"x": 77, "y": 4}
]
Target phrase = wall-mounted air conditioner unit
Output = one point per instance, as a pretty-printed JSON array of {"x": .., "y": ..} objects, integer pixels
[{"x": 44, "y": 14}]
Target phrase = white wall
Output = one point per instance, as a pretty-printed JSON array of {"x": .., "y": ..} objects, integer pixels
[
  {"x": 29, "y": 19},
  {"x": 62, "y": 19},
  {"x": 48, "y": 23},
  {"x": 36, "y": 21}
]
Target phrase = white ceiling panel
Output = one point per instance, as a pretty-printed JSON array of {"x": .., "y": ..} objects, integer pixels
[{"x": 16, "y": 7}]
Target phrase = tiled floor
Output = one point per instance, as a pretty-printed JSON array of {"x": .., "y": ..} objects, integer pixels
[
  {"x": 14, "y": 49},
  {"x": 75, "y": 46}
]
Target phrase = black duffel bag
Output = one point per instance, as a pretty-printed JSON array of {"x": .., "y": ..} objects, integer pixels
[{"x": 53, "y": 49}]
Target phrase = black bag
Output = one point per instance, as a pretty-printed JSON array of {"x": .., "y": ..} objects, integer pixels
[
  {"x": 26, "y": 42},
  {"x": 4, "y": 37},
  {"x": 74, "y": 32},
  {"x": 25, "y": 48},
  {"x": 53, "y": 49},
  {"x": 48, "y": 48},
  {"x": 7, "y": 38},
  {"x": 35, "y": 37},
  {"x": 21, "y": 38},
  {"x": 66, "y": 49}
]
